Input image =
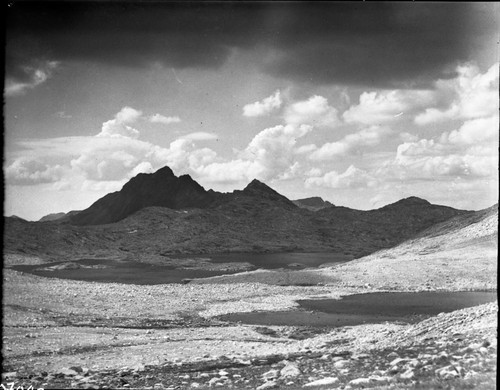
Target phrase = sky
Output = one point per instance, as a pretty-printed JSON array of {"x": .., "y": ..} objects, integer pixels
[{"x": 361, "y": 103}]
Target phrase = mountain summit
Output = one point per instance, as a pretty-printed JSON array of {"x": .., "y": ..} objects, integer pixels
[{"x": 161, "y": 188}]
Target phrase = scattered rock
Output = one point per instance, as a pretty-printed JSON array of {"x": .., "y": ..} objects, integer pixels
[
  {"x": 268, "y": 385},
  {"x": 341, "y": 364},
  {"x": 408, "y": 374},
  {"x": 65, "y": 371},
  {"x": 360, "y": 382},
  {"x": 323, "y": 382},
  {"x": 289, "y": 371},
  {"x": 270, "y": 375}
]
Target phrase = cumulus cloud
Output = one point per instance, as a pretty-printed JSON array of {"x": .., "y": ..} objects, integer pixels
[
  {"x": 273, "y": 148},
  {"x": 352, "y": 177},
  {"x": 233, "y": 171},
  {"x": 119, "y": 126},
  {"x": 314, "y": 111},
  {"x": 97, "y": 159},
  {"x": 376, "y": 108},
  {"x": 29, "y": 77},
  {"x": 28, "y": 171},
  {"x": 351, "y": 143},
  {"x": 470, "y": 95},
  {"x": 271, "y": 154},
  {"x": 407, "y": 137},
  {"x": 166, "y": 120},
  {"x": 263, "y": 107},
  {"x": 469, "y": 152},
  {"x": 473, "y": 132}
]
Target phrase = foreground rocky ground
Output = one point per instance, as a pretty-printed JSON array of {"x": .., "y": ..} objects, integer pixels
[
  {"x": 70, "y": 334},
  {"x": 74, "y": 334}
]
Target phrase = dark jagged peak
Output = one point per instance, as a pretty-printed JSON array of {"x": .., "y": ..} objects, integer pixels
[
  {"x": 257, "y": 186},
  {"x": 161, "y": 188},
  {"x": 314, "y": 203},
  {"x": 258, "y": 190}
]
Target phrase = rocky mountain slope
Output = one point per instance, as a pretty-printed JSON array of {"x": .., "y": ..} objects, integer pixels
[
  {"x": 161, "y": 188},
  {"x": 160, "y": 214},
  {"x": 462, "y": 251},
  {"x": 314, "y": 204}
]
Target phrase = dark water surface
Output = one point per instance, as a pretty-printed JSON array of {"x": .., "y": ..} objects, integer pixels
[
  {"x": 366, "y": 308},
  {"x": 112, "y": 271},
  {"x": 116, "y": 271},
  {"x": 281, "y": 260}
]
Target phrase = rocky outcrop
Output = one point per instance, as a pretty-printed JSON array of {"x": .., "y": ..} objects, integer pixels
[{"x": 314, "y": 203}]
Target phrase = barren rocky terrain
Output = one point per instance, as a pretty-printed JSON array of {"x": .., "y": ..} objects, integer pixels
[
  {"x": 65, "y": 333},
  {"x": 71, "y": 334}
]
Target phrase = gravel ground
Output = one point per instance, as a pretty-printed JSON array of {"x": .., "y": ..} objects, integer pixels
[{"x": 62, "y": 333}]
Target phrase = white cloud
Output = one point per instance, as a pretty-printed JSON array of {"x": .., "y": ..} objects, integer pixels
[
  {"x": 274, "y": 149},
  {"x": 238, "y": 170},
  {"x": 351, "y": 143},
  {"x": 113, "y": 155},
  {"x": 470, "y": 95},
  {"x": 271, "y": 154},
  {"x": 377, "y": 108},
  {"x": 34, "y": 75},
  {"x": 143, "y": 167},
  {"x": 108, "y": 161},
  {"x": 472, "y": 132},
  {"x": 315, "y": 112},
  {"x": 264, "y": 107},
  {"x": 166, "y": 120},
  {"x": 407, "y": 137},
  {"x": 27, "y": 171},
  {"x": 305, "y": 149},
  {"x": 352, "y": 177},
  {"x": 200, "y": 136},
  {"x": 468, "y": 152},
  {"x": 119, "y": 126}
]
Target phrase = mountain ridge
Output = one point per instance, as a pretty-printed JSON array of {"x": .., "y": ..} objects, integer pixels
[{"x": 161, "y": 214}]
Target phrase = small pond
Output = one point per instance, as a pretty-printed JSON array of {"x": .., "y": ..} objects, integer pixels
[
  {"x": 119, "y": 271},
  {"x": 366, "y": 308},
  {"x": 112, "y": 271}
]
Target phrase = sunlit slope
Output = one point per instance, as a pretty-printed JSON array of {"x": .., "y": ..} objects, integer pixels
[{"x": 458, "y": 253}]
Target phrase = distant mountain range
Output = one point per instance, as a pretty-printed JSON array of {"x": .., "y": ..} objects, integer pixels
[{"x": 160, "y": 214}]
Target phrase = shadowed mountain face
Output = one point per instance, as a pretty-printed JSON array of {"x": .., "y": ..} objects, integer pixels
[
  {"x": 160, "y": 214},
  {"x": 161, "y": 188},
  {"x": 314, "y": 204}
]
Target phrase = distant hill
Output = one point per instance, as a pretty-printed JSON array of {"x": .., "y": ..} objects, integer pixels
[
  {"x": 160, "y": 214},
  {"x": 58, "y": 216},
  {"x": 314, "y": 203}
]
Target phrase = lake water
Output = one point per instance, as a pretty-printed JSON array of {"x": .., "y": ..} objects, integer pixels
[
  {"x": 279, "y": 260},
  {"x": 366, "y": 308},
  {"x": 130, "y": 272}
]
